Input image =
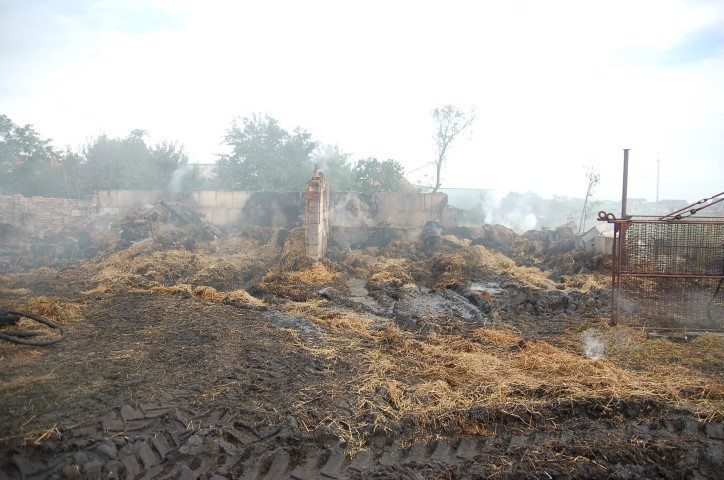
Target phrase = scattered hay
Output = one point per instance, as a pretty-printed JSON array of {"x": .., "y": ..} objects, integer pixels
[
  {"x": 260, "y": 235},
  {"x": 437, "y": 379},
  {"x": 400, "y": 249},
  {"x": 586, "y": 283},
  {"x": 432, "y": 379},
  {"x": 100, "y": 289},
  {"x": 319, "y": 273},
  {"x": 445, "y": 270},
  {"x": 23, "y": 382},
  {"x": 15, "y": 292},
  {"x": 294, "y": 255},
  {"x": 359, "y": 264},
  {"x": 32, "y": 280},
  {"x": 244, "y": 297},
  {"x": 497, "y": 337},
  {"x": 303, "y": 284},
  {"x": 457, "y": 241},
  {"x": 341, "y": 321},
  {"x": 231, "y": 246},
  {"x": 182, "y": 288},
  {"x": 228, "y": 265},
  {"x": 120, "y": 282},
  {"x": 219, "y": 274},
  {"x": 54, "y": 309},
  {"x": 635, "y": 350},
  {"x": 479, "y": 258},
  {"x": 449, "y": 271},
  {"x": 51, "y": 432},
  {"x": 498, "y": 237},
  {"x": 209, "y": 294},
  {"x": 392, "y": 276}
]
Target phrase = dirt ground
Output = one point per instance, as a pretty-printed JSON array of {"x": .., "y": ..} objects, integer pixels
[{"x": 241, "y": 358}]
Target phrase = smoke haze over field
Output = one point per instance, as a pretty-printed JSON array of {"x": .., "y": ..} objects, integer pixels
[{"x": 558, "y": 85}]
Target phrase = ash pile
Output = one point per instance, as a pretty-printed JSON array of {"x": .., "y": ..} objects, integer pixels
[
  {"x": 466, "y": 278},
  {"x": 171, "y": 225}
]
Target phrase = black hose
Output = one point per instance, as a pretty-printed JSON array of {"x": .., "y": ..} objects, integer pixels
[{"x": 17, "y": 336}]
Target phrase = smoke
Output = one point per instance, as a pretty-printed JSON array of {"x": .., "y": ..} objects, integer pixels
[
  {"x": 350, "y": 210},
  {"x": 102, "y": 222},
  {"x": 521, "y": 211},
  {"x": 593, "y": 343},
  {"x": 174, "y": 185},
  {"x": 514, "y": 211},
  {"x": 352, "y": 215}
]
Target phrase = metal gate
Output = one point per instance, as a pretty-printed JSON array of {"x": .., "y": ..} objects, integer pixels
[{"x": 668, "y": 272}]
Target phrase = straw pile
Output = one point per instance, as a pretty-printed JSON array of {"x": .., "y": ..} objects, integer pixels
[
  {"x": 52, "y": 308},
  {"x": 456, "y": 241},
  {"x": 210, "y": 294},
  {"x": 228, "y": 265},
  {"x": 452, "y": 268},
  {"x": 449, "y": 270},
  {"x": 586, "y": 283},
  {"x": 300, "y": 285},
  {"x": 438, "y": 379},
  {"x": 480, "y": 259},
  {"x": 399, "y": 249},
  {"x": 392, "y": 274},
  {"x": 358, "y": 263},
  {"x": 219, "y": 274},
  {"x": 294, "y": 254}
]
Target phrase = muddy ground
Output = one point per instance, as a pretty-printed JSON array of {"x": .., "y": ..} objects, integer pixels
[{"x": 239, "y": 358}]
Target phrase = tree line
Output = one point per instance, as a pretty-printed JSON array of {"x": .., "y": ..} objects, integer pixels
[{"x": 262, "y": 156}]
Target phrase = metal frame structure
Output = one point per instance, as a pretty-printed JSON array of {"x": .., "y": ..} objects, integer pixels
[{"x": 668, "y": 272}]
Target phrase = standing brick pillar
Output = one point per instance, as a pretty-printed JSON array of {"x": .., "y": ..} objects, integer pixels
[{"x": 316, "y": 215}]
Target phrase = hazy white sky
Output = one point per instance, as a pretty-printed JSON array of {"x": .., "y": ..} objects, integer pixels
[{"x": 558, "y": 85}]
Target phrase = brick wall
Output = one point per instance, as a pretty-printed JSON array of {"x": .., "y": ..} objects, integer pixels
[
  {"x": 38, "y": 215},
  {"x": 316, "y": 211},
  {"x": 344, "y": 217},
  {"x": 353, "y": 215}
]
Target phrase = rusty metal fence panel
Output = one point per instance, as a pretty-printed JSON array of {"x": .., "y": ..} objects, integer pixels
[{"x": 668, "y": 274}]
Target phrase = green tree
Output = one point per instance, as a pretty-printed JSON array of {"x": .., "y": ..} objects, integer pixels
[
  {"x": 264, "y": 156},
  {"x": 116, "y": 163},
  {"x": 336, "y": 166},
  {"x": 450, "y": 122},
  {"x": 171, "y": 165},
  {"x": 72, "y": 165},
  {"x": 371, "y": 175},
  {"x": 29, "y": 165},
  {"x": 129, "y": 163}
]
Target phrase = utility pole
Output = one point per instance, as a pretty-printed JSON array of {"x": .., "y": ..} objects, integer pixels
[
  {"x": 658, "y": 168},
  {"x": 624, "y": 190}
]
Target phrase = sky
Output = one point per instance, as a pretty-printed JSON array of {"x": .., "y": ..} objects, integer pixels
[{"x": 558, "y": 86}]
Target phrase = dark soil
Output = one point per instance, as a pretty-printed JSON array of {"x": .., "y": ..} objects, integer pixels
[
  {"x": 165, "y": 385},
  {"x": 160, "y": 386}
]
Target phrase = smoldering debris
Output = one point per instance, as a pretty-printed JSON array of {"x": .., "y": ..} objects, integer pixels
[
  {"x": 593, "y": 344},
  {"x": 449, "y": 348}
]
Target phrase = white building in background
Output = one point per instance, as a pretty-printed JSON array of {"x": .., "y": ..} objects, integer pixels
[{"x": 598, "y": 239}]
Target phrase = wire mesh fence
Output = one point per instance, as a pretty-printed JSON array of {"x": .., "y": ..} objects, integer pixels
[{"x": 668, "y": 274}]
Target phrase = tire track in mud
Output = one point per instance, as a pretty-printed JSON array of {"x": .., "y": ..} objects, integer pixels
[
  {"x": 165, "y": 441},
  {"x": 190, "y": 435}
]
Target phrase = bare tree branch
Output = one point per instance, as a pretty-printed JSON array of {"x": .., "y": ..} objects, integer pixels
[{"x": 451, "y": 122}]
